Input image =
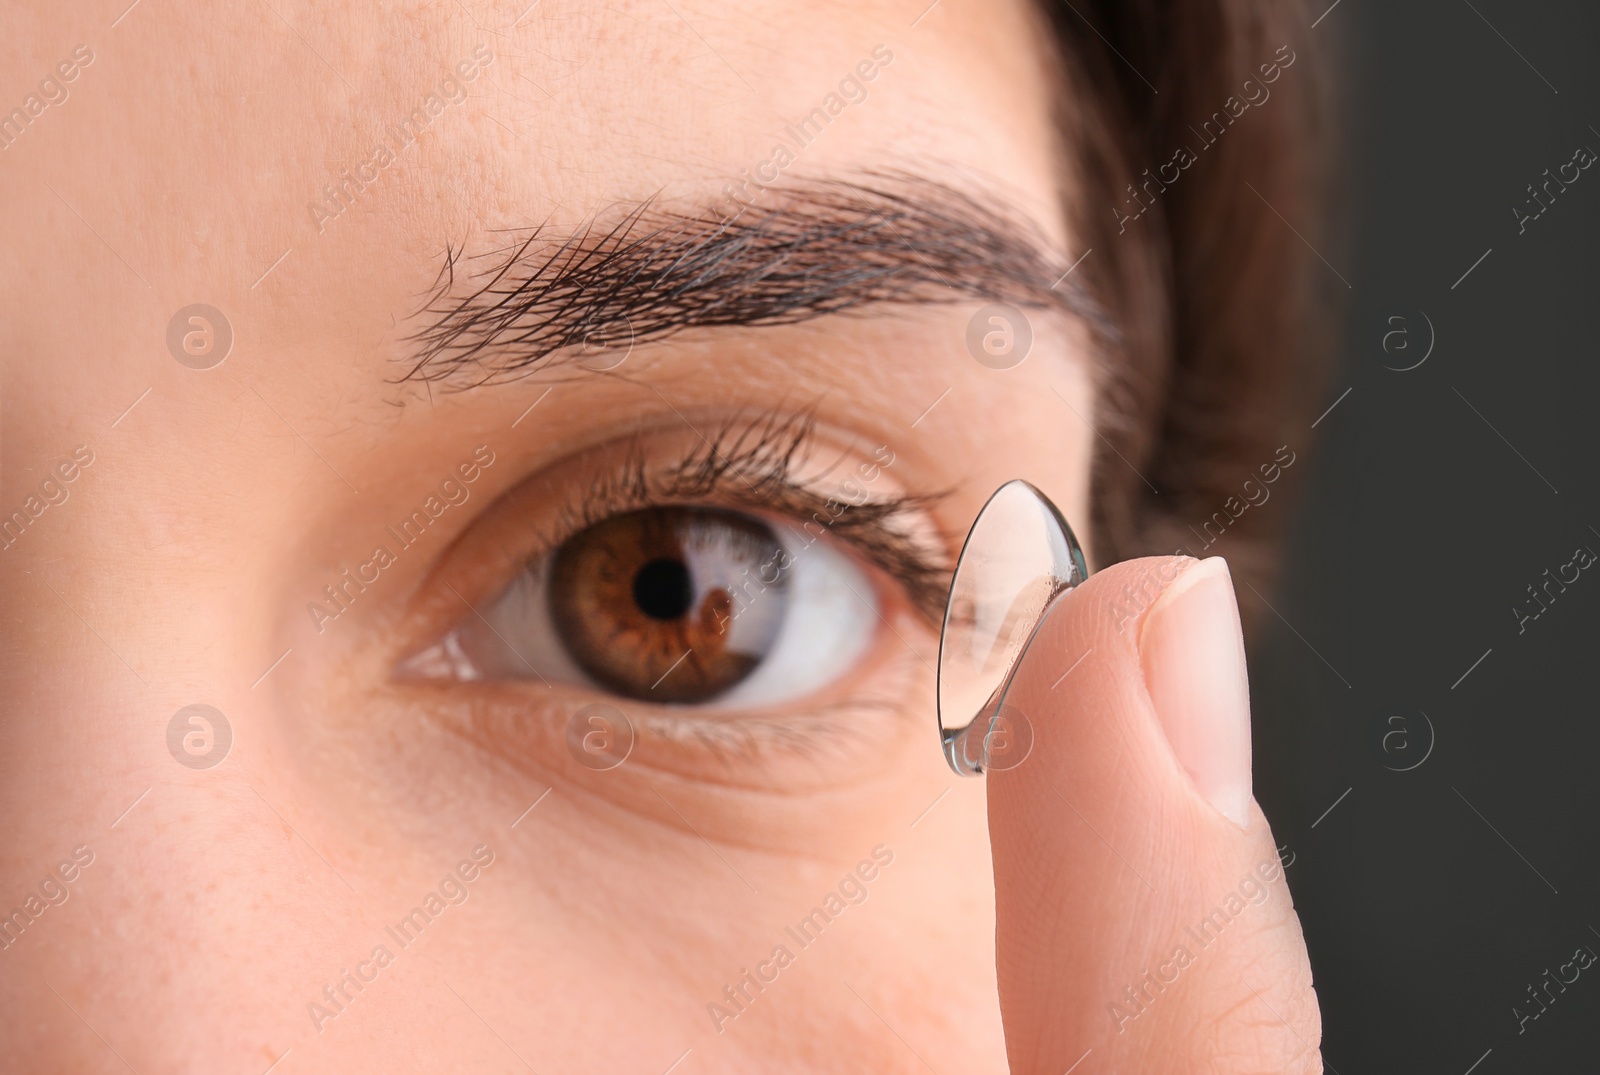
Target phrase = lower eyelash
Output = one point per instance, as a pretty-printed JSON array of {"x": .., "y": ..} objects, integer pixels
[{"x": 822, "y": 735}]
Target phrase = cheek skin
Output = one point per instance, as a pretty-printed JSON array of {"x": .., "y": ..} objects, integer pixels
[{"x": 223, "y": 901}]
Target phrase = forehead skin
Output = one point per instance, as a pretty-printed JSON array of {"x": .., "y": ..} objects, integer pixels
[
  {"x": 195, "y": 141},
  {"x": 181, "y": 167}
]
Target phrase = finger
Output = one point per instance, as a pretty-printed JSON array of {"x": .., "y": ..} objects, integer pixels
[{"x": 1143, "y": 923}]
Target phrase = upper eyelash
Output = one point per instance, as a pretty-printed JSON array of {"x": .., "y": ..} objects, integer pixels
[{"x": 751, "y": 463}]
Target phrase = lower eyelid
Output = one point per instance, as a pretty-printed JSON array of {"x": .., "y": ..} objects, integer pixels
[{"x": 820, "y": 745}]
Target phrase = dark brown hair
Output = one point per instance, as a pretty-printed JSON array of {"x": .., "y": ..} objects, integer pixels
[{"x": 1220, "y": 306}]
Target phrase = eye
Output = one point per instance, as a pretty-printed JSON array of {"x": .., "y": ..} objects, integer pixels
[{"x": 675, "y": 604}]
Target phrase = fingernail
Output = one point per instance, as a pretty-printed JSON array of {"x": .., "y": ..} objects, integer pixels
[{"x": 1192, "y": 648}]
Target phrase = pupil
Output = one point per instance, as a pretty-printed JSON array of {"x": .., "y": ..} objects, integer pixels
[{"x": 662, "y": 589}]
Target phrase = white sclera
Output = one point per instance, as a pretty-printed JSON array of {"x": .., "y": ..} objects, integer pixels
[{"x": 1019, "y": 554}]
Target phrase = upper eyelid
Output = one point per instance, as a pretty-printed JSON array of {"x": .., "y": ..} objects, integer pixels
[
  {"x": 750, "y": 463},
  {"x": 867, "y": 525}
]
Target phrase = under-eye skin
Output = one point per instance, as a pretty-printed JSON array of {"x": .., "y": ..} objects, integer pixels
[{"x": 724, "y": 576}]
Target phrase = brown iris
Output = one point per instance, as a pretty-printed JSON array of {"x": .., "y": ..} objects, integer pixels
[{"x": 670, "y": 604}]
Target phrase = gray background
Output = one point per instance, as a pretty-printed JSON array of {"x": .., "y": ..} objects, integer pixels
[{"x": 1433, "y": 898}]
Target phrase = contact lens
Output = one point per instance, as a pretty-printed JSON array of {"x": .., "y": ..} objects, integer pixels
[{"x": 1018, "y": 557}]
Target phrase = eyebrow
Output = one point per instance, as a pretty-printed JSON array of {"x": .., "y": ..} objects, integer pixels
[{"x": 817, "y": 248}]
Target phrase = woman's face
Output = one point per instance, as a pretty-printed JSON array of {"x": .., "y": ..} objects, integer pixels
[{"x": 401, "y": 838}]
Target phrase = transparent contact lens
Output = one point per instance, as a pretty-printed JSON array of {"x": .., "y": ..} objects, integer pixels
[{"x": 1019, "y": 556}]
